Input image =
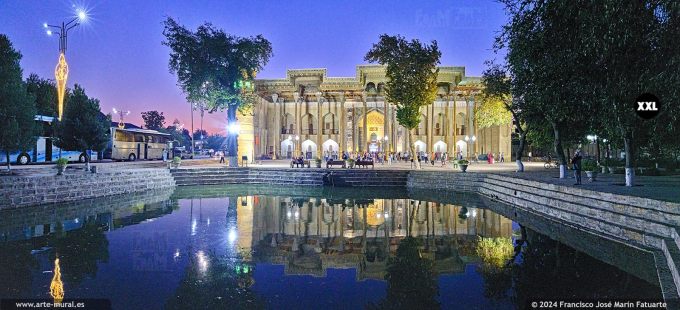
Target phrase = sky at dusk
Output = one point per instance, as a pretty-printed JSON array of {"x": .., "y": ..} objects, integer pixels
[{"x": 117, "y": 56}]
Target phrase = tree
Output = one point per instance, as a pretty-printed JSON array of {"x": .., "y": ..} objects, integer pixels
[
  {"x": 497, "y": 102},
  {"x": 200, "y": 134},
  {"x": 412, "y": 77},
  {"x": 17, "y": 106},
  {"x": 549, "y": 78},
  {"x": 638, "y": 46},
  {"x": 215, "y": 142},
  {"x": 153, "y": 120},
  {"x": 213, "y": 67},
  {"x": 81, "y": 127},
  {"x": 45, "y": 92}
]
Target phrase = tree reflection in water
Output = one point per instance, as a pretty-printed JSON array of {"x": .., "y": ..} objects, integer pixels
[
  {"x": 215, "y": 282},
  {"x": 496, "y": 255},
  {"x": 410, "y": 279},
  {"x": 546, "y": 263}
]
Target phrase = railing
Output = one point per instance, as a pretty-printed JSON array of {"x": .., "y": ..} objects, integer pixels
[
  {"x": 330, "y": 131},
  {"x": 309, "y": 131},
  {"x": 287, "y": 131}
]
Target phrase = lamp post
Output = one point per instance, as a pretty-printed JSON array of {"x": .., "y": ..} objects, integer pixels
[
  {"x": 469, "y": 140},
  {"x": 121, "y": 116},
  {"x": 594, "y": 139},
  {"x": 61, "y": 71}
]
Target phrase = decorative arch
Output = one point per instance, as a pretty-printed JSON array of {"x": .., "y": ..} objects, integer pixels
[
  {"x": 370, "y": 88},
  {"x": 329, "y": 124},
  {"x": 288, "y": 122},
  {"x": 420, "y": 146},
  {"x": 308, "y": 149},
  {"x": 461, "y": 147},
  {"x": 440, "y": 147},
  {"x": 308, "y": 124},
  {"x": 330, "y": 148},
  {"x": 461, "y": 129},
  {"x": 287, "y": 148}
]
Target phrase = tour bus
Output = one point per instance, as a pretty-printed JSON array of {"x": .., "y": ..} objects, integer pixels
[
  {"x": 133, "y": 143},
  {"x": 44, "y": 150}
]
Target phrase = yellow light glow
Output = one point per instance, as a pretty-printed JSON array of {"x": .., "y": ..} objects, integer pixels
[
  {"x": 57, "y": 287},
  {"x": 61, "y": 75}
]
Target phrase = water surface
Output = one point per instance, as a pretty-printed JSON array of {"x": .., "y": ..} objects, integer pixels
[{"x": 284, "y": 248}]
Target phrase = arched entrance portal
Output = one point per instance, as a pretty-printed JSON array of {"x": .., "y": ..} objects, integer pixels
[
  {"x": 309, "y": 149},
  {"x": 439, "y": 149},
  {"x": 287, "y": 148},
  {"x": 331, "y": 149},
  {"x": 420, "y": 147},
  {"x": 375, "y": 123},
  {"x": 461, "y": 147}
]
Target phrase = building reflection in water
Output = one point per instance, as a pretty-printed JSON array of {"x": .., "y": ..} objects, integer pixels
[{"x": 309, "y": 235}]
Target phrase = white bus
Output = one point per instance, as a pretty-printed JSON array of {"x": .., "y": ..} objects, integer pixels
[
  {"x": 132, "y": 144},
  {"x": 44, "y": 150}
]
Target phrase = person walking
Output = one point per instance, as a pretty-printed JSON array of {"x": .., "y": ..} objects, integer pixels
[
  {"x": 576, "y": 165},
  {"x": 502, "y": 157}
]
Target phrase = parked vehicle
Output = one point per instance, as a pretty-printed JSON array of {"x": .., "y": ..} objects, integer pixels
[
  {"x": 44, "y": 151},
  {"x": 132, "y": 144}
]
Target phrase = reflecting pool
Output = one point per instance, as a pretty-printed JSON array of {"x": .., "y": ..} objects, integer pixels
[{"x": 305, "y": 248}]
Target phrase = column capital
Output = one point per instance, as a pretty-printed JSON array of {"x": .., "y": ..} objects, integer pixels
[
  {"x": 296, "y": 96},
  {"x": 319, "y": 96},
  {"x": 275, "y": 97}
]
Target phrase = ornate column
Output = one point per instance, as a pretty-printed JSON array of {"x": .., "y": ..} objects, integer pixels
[
  {"x": 319, "y": 132},
  {"x": 474, "y": 122},
  {"x": 364, "y": 134},
  {"x": 354, "y": 128},
  {"x": 433, "y": 116},
  {"x": 298, "y": 128},
  {"x": 343, "y": 123},
  {"x": 447, "y": 126},
  {"x": 455, "y": 125},
  {"x": 277, "y": 125},
  {"x": 386, "y": 128}
]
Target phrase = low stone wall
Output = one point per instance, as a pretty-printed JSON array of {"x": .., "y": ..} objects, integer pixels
[
  {"x": 639, "y": 222},
  {"x": 72, "y": 186}
]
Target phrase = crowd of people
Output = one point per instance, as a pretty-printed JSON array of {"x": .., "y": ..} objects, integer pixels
[{"x": 432, "y": 158}]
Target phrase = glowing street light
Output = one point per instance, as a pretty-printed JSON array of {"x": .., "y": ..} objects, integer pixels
[
  {"x": 121, "y": 114},
  {"x": 61, "y": 71}
]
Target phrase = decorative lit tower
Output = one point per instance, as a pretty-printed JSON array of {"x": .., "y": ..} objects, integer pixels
[{"x": 61, "y": 71}]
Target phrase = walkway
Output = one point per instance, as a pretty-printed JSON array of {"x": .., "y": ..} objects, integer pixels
[{"x": 666, "y": 188}]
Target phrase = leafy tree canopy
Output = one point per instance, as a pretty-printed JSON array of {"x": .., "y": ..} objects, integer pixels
[
  {"x": 153, "y": 120},
  {"x": 45, "y": 92},
  {"x": 17, "y": 106},
  {"x": 81, "y": 127}
]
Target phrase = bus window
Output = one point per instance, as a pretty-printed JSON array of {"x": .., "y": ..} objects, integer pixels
[
  {"x": 139, "y": 138},
  {"x": 123, "y": 136}
]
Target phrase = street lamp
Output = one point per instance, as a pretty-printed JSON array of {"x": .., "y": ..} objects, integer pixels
[
  {"x": 594, "y": 138},
  {"x": 121, "y": 114},
  {"x": 61, "y": 71},
  {"x": 469, "y": 140}
]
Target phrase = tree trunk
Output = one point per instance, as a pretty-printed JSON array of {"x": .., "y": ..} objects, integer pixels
[
  {"x": 412, "y": 148},
  {"x": 232, "y": 138},
  {"x": 87, "y": 161},
  {"x": 9, "y": 169},
  {"x": 559, "y": 150},
  {"x": 520, "y": 148},
  {"x": 630, "y": 167}
]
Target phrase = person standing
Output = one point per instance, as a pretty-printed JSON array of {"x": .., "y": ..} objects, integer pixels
[
  {"x": 576, "y": 164},
  {"x": 502, "y": 157}
]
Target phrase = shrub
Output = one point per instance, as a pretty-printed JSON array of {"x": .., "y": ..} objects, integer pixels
[
  {"x": 62, "y": 162},
  {"x": 589, "y": 165},
  {"x": 463, "y": 162},
  {"x": 177, "y": 160}
]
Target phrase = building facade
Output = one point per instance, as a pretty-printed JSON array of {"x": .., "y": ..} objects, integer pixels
[{"x": 309, "y": 113}]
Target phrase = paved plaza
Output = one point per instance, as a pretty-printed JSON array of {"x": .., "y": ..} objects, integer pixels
[{"x": 665, "y": 188}]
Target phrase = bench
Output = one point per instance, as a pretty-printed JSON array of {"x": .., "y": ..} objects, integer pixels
[
  {"x": 331, "y": 163},
  {"x": 299, "y": 163},
  {"x": 364, "y": 163}
]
